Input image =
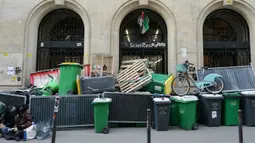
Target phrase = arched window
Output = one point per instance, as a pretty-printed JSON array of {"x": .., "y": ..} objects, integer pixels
[
  {"x": 61, "y": 39},
  {"x": 226, "y": 39},
  {"x": 152, "y": 44}
]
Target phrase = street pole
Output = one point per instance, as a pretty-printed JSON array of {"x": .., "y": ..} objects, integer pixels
[
  {"x": 240, "y": 126},
  {"x": 148, "y": 126},
  {"x": 54, "y": 129}
]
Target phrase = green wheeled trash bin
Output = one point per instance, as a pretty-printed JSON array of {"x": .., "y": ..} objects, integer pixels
[
  {"x": 248, "y": 107},
  {"x": 187, "y": 106},
  {"x": 230, "y": 108},
  {"x": 174, "y": 117},
  {"x": 67, "y": 78},
  {"x": 101, "y": 114},
  {"x": 161, "y": 113}
]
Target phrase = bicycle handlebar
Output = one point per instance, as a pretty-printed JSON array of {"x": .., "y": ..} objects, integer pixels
[{"x": 188, "y": 63}]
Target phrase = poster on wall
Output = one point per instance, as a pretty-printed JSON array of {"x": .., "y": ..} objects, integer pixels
[{"x": 11, "y": 68}]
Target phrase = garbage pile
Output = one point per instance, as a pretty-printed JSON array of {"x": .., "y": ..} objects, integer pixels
[
  {"x": 212, "y": 104},
  {"x": 71, "y": 79}
]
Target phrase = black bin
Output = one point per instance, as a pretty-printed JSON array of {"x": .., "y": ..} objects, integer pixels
[
  {"x": 95, "y": 85},
  {"x": 210, "y": 107},
  {"x": 248, "y": 107},
  {"x": 161, "y": 113}
]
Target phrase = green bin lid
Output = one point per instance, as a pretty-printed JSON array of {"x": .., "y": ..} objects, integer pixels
[
  {"x": 101, "y": 100},
  {"x": 70, "y": 64},
  {"x": 231, "y": 94},
  {"x": 186, "y": 99}
]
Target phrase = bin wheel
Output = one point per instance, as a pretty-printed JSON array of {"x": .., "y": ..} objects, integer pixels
[
  {"x": 153, "y": 125},
  {"x": 106, "y": 130},
  {"x": 195, "y": 126}
]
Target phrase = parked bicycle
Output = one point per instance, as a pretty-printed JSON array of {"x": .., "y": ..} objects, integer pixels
[{"x": 213, "y": 82}]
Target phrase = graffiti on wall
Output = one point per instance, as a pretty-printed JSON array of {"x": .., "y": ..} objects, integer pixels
[{"x": 11, "y": 68}]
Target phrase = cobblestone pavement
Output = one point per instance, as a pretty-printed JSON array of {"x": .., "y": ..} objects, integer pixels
[{"x": 138, "y": 135}]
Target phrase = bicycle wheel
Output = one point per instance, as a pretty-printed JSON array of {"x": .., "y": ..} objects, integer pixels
[
  {"x": 218, "y": 87},
  {"x": 180, "y": 86}
]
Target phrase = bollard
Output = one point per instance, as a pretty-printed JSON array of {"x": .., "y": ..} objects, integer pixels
[
  {"x": 240, "y": 126},
  {"x": 54, "y": 129},
  {"x": 148, "y": 126}
]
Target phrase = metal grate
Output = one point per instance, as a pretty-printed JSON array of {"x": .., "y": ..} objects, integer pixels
[
  {"x": 238, "y": 78},
  {"x": 74, "y": 111},
  {"x": 61, "y": 39},
  {"x": 12, "y": 99},
  {"x": 42, "y": 108},
  {"x": 226, "y": 39},
  {"x": 129, "y": 108},
  {"x": 50, "y": 58}
]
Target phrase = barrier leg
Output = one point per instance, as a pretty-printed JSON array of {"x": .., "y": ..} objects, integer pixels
[
  {"x": 240, "y": 126},
  {"x": 54, "y": 130},
  {"x": 148, "y": 126}
]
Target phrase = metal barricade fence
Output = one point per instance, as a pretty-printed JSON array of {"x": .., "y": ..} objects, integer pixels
[
  {"x": 77, "y": 111},
  {"x": 74, "y": 110},
  {"x": 237, "y": 78},
  {"x": 129, "y": 107},
  {"x": 41, "y": 108},
  {"x": 12, "y": 99}
]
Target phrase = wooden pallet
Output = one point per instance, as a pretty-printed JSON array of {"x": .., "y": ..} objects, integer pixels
[
  {"x": 126, "y": 64},
  {"x": 128, "y": 78}
]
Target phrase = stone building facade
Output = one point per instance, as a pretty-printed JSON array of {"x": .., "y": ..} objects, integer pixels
[{"x": 34, "y": 34}]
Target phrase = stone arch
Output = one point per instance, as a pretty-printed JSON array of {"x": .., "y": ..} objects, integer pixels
[
  {"x": 31, "y": 31},
  {"x": 241, "y": 7},
  {"x": 153, "y": 5}
]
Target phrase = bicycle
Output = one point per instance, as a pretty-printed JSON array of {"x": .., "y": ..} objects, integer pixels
[{"x": 213, "y": 83}]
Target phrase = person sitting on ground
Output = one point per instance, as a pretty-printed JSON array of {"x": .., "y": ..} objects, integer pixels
[
  {"x": 23, "y": 120},
  {"x": 7, "y": 119}
]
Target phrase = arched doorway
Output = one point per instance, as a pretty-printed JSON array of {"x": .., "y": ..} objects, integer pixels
[
  {"x": 60, "y": 39},
  {"x": 152, "y": 44},
  {"x": 226, "y": 39}
]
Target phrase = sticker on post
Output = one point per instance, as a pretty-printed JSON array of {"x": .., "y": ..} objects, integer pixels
[{"x": 214, "y": 114}]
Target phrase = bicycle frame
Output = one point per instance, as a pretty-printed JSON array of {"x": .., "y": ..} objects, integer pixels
[{"x": 200, "y": 84}]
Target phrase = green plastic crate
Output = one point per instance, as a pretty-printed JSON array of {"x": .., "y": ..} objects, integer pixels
[{"x": 161, "y": 84}]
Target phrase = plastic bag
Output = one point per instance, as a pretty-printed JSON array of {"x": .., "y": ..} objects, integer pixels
[
  {"x": 30, "y": 133},
  {"x": 42, "y": 130}
]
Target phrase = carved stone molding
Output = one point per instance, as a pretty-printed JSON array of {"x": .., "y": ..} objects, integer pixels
[
  {"x": 59, "y": 2},
  {"x": 143, "y": 2},
  {"x": 228, "y": 2}
]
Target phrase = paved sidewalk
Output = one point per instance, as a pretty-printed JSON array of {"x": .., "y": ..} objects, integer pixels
[{"x": 138, "y": 135}]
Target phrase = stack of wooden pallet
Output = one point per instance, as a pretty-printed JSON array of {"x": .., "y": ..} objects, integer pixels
[
  {"x": 133, "y": 75},
  {"x": 126, "y": 64}
]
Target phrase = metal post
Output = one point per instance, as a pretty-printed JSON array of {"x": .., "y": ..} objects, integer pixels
[
  {"x": 240, "y": 126},
  {"x": 53, "y": 138},
  {"x": 148, "y": 126}
]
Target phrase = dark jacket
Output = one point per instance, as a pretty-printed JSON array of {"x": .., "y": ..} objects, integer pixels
[
  {"x": 8, "y": 119},
  {"x": 23, "y": 120}
]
